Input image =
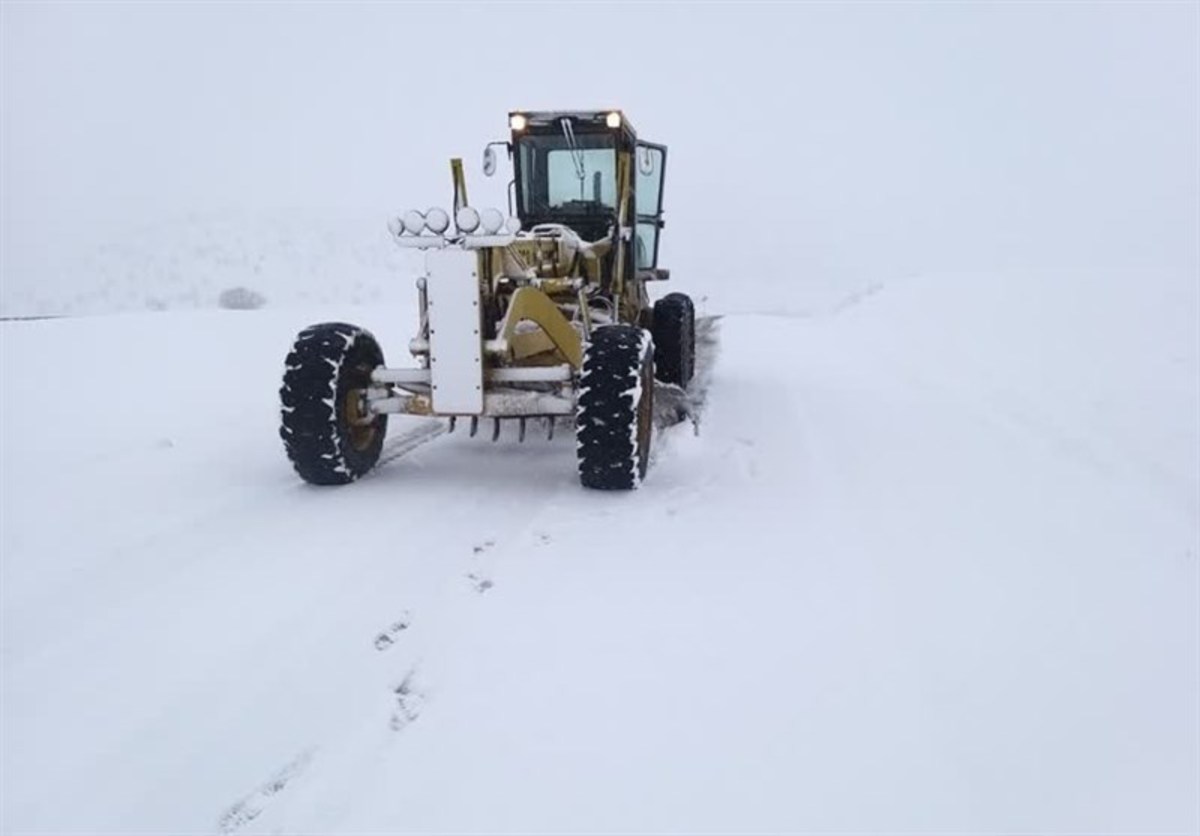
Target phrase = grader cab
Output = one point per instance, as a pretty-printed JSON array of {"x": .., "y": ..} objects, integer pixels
[{"x": 543, "y": 315}]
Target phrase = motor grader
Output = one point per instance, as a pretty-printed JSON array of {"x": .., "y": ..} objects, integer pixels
[{"x": 538, "y": 316}]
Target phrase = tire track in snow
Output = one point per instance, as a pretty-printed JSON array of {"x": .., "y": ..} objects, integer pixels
[{"x": 410, "y": 440}]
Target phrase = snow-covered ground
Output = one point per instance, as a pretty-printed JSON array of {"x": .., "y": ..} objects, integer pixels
[
  {"x": 187, "y": 262},
  {"x": 930, "y": 564}
]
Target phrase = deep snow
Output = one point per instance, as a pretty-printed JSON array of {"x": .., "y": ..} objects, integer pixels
[{"x": 930, "y": 564}]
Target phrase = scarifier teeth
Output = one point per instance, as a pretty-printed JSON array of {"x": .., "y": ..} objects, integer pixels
[{"x": 522, "y": 426}]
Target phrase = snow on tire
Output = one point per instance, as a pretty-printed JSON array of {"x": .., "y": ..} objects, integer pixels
[
  {"x": 614, "y": 419},
  {"x": 327, "y": 436}
]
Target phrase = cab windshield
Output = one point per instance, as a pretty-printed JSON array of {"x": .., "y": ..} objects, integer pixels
[{"x": 561, "y": 177}]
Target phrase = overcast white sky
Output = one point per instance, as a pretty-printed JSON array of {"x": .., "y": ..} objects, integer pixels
[{"x": 828, "y": 139}]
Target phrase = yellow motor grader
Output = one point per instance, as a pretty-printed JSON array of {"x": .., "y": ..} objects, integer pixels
[{"x": 540, "y": 314}]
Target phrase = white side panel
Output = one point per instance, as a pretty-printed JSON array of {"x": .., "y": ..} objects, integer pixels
[{"x": 455, "y": 345}]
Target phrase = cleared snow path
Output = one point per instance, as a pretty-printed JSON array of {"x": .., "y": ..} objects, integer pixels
[{"x": 930, "y": 564}]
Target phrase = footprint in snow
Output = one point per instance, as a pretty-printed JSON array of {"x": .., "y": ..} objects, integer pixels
[
  {"x": 410, "y": 700},
  {"x": 487, "y": 544},
  {"x": 388, "y": 637},
  {"x": 480, "y": 583}
]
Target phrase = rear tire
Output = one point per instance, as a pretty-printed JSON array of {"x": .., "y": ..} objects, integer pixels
[
  {"x": 615, "y": 418},
  {"x": 325, "y": 432},
  {"x": 675, "y": 339}
]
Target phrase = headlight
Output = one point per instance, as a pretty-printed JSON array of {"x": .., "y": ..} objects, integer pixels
[
  {"x": 396, "y": 226},
  {"x": 492, "y": 220},
  {"x": 613, "y": 120},
  {"x": 437, "y": 221},
  {"x": 467, "y": 219},
  {"x": 513, "y": 225},
  {"x": 414, "y": 222},
  {"x": 517, "y": 122}
]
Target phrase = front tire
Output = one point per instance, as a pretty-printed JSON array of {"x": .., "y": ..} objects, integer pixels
[
  {"x": 675, "y": 339},
  {"x": 326, "y": 433},
  {"x": 614, "y": 421}
]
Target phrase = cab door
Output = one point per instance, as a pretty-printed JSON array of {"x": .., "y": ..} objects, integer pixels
[{"x": 651, "y": 164}]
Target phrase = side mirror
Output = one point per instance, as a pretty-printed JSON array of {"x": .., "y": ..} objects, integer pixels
[
  {"x": 489, "y": 161},
  {"x": 645, "y": 161}
]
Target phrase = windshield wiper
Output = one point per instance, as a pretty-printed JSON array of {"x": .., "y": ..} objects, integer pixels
[{"x": 576, "y": 154}]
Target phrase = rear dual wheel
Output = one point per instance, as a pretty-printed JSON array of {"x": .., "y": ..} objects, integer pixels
[{"x": 675, "y": 339}]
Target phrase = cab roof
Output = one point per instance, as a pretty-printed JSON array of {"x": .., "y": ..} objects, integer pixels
[{"x": 548, "y": 118}]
